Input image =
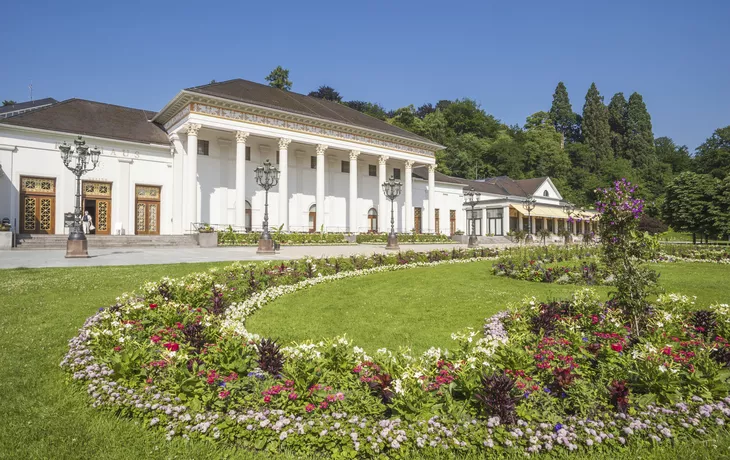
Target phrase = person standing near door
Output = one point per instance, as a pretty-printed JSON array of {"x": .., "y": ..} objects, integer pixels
[{"x": 87, "y": 222}]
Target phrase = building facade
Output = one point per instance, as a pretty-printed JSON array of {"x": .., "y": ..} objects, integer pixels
[{"x": 193, "y": 162}]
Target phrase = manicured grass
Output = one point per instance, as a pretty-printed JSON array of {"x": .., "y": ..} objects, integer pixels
[
  {"x": 421, "y": 307},
  {"x": 45, "y": 417}
]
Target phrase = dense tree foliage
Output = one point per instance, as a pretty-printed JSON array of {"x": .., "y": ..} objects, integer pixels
[
  {"x": 9, "y": 102},
  {"x": 326, "y": 92},
  {"x": 580, "y": 152},
  {"x": 279, "y": 78}
]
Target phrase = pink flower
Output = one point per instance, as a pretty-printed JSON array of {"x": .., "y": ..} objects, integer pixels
[
  {"x": 293, "y": 396},
  {"x": 155, "y": 338},
  {"x": 323, "y": 405},
  {"x": 340, "y": 396},
  {"x": 309, "y": 408},
  {"x": 224, "y": 394}
]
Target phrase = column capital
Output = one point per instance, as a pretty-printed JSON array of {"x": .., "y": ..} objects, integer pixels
[
  {"x": 409, "y": 164},
  {"x": 284, "y": 143},
  {"x": 193, "y": 129},
  {"x": 431, "y": 169},
  {"x": 382, "y": 159},
  {"x": 354, "y": 154},
  {"x": 321, "y": 148},
  {"x": 242, "y": 136}
]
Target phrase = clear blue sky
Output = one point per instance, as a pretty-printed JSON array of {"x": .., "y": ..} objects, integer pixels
[{"x": 507, "y": 55}]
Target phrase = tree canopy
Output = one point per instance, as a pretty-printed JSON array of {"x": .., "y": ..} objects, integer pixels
[
  {"x": 9, "y": 102},
  {"x": 279, "y": 78},
  {"x": 327, "y": 93}
]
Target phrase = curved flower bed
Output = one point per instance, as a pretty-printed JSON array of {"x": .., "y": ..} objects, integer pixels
[{"x": 541, "y": 376}]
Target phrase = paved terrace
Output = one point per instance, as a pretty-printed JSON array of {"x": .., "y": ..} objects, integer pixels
[{"x": 42, "y": 258}]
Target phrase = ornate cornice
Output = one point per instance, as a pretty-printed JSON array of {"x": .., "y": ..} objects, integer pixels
[
  {"x": 284, "y": 143},
  {"x": 382, "y": 159},
  {"x": 242, "y": 136},
  {"x": 193, "y": 129},
  {"x": 188, "y": 103},
  {"x": 354, "y": 154}
]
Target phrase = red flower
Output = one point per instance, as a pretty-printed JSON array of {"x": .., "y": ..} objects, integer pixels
[
  {"x": 172, "y": 346},
  {"x": 153, "y": 306},
  {"x": 224, "y": 394},
  {"x": 594, "y": 319},
  {"x": 292, "y": 396},
  {"x": 323, "y": 405},
  {"x": 617, "y": 347},
  {"x": 309, "y": 408},
  {"x": 180, "y": 325},
  {"x": 267, "y": 399},
  {"x": 155, "y": 338}
]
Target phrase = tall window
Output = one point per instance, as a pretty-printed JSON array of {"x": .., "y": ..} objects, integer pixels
[
  {"x": 373, "y": 220},
  {"x": 277, "y": 157},
  {"x": 247, "y": 223},
  {"x": 372, "y": 170},
  {"x": 313, "y": 162},
  {"x": 452, "y": 221},
  {"x": 248, "y": 153},
  {"x": 545, "y": 193},
  {"x": 345, "y": 168},
  {"x": 203, "y": 147},
  {"x": 396, "y": 173},
  {"x": 436, "y": 221},
  {"x": 313, "y": 218}
]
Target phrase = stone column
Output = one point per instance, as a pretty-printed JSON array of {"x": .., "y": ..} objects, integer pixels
[
  {"x": 409, "y": 198},
  {"x": 191, "y": 182},
  {"x": 124, "y": 196},
  {"x": 352, "y": 203},
  {"x": 505, "y": 220},
  {"x": 319, "y": 197},
  {"x": 178, "y": 188},
  {"x": 383, "y": 209},
  {"x": 555, "y": 225},
  {"x": 284, "y": 183},
  {"x": 544, "y": 223},
  {"x": 241, "y": 137},
  {"x": 431, "y": 198}
]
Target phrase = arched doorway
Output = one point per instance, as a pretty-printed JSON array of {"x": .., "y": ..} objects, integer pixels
[
  {"x": 313, "y": 218},
  {"x": 247, "y": 220},
  {"x": 373, "y": 220}
]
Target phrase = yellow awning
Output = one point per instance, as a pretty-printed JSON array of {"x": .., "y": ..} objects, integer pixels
[{"x": 542, "y": 210}]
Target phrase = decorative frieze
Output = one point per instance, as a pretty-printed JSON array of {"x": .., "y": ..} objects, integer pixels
[{"x": 238, "y": 115}]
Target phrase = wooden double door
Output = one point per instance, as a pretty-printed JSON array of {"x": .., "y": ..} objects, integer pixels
[
  {"x": 147, "y": 210},
  {"x": 98, "y": 202},
  {"x": 37, "y": 205}
]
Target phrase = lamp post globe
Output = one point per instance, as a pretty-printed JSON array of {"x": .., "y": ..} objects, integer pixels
[
  {"x": 79, "y": 159},
  {"x": 471, "y": 198},
  {"x": 391, "y": 190},
  {"x": 529, "y": 204},
  {"x": 267, "y": 177}
]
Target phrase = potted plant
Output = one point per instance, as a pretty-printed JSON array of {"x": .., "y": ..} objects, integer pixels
[
  {"x": 459, "y": 237},
  {"x": 543, "y": 234},
  {"x": 567, "y": 236},
  {"x": 6, "y": 236},
  {"x": 207, "y": 236}
]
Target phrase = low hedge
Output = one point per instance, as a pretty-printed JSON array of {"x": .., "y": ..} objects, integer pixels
[
  {"x": 404, "y": 238},
  {"x": 252, "y": 238}
]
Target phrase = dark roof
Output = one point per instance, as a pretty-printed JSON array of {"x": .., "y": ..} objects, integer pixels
[
  {"x": 501, "y": 185},
  {"x": 266, "y": 96},
  {"x": 27, "y": 105},
  {"x": 78, "y": 116}
]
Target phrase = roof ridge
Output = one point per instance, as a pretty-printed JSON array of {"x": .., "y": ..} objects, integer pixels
[{"x": 39, "y": 109}]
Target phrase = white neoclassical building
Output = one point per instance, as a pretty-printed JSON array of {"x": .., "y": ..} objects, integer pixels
[{"x": 193, "y": 162}]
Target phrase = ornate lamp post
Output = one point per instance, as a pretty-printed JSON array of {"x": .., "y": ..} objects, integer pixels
[
  {"x": 471, "y": 197},
  {"x": 267, "y": 176},
  {"x": 79, "y": 159},
  {"x": 391, "y": 189},
  {"x": 529, "y": 204}
]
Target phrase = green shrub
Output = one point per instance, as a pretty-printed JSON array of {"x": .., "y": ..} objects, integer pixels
[{"x": 404, "y": 238}]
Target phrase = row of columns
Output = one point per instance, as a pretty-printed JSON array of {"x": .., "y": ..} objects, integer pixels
[
  {"x": 578, "y": 227},
  {"x": 191, "y": 177}
]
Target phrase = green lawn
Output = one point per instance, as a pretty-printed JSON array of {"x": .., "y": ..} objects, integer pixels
[
  {"x": 44, "y": 417},
  {"x": 421, "y": 307}
]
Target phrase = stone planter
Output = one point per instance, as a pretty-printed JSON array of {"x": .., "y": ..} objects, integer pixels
[
  {"x": 351, "y": 238},
  {"x": 463, "y": 239},
  {"x": 6, "y": 241},
  {"x": 208, "y": 240}
]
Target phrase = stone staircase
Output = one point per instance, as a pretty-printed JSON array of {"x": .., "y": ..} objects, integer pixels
[{"x": 25, "y": 241}]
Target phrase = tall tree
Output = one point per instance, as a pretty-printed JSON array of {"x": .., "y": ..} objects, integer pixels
[
  {"x": 595, "y": 127},
  {"x": 9, "y": 102},
  {"x": 327, "y": 93},
  {"x": 368, "y": 108},
  {"x": 639, "y": 135},
  {"x": 713, "y": 156},
  {"x": 561, "y": 113},
  {"x": 689, "y": 203},
  {"x": 279, "y": 78},
  {"x": 674, "y": 155},
  {"x": 542, "y": 146},
  {"x": 617, "y": 109}
]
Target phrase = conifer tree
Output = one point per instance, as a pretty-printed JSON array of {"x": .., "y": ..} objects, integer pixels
[
  {"x": 617, "y": 121},
  {"x": 596, "y": 131},
  {"x": 561, "y": 113},
  {"x": 639, "y": 136}
]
